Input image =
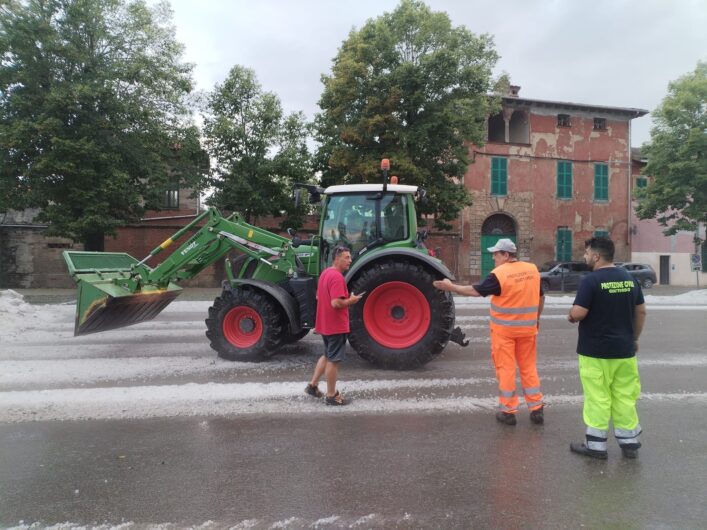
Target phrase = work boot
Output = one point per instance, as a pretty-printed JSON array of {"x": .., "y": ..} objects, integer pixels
[
  {"x": 537, "y": 416},
  {"x": 630, "y": 452},
  {"x": 506, "y": 417},
  {"x": 582, "y": 449}
]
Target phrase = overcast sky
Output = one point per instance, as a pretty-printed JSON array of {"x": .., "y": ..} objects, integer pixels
[{"x": 603, "y": 52}]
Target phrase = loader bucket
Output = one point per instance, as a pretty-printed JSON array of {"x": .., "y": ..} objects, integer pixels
[{"x": 104, "y": 303}]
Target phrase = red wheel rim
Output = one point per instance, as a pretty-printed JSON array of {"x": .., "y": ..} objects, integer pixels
[
  {"x": 242, "y": 327},
  {"x": 396, "y": 315}
]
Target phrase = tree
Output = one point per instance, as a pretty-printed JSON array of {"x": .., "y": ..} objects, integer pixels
[
  {"x": 92, "y": 121},
  {"x": 410, "y": 87},
  {"x": 677, "y": 156},
  {"x": 258, "y": 152}
]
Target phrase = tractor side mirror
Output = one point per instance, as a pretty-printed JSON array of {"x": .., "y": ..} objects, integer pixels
[{"x": 421, "y": 196}]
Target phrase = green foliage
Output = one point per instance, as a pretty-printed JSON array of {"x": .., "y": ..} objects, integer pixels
[
  {"x": 91, "y": 113},
  {"x": 409, "y": 87},
  {"x": 677, "y": 156},
  {"x": 258, "y": 152}
]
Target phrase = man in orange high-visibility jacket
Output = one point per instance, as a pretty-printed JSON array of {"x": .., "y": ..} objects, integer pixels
[{"x": 516, "y": 303}]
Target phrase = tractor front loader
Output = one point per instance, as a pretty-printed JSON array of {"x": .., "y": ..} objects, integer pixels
[{"x": 269, "y": 297}]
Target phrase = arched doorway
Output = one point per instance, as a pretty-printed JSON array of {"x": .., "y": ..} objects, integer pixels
[{"x": 495, "y": 227}]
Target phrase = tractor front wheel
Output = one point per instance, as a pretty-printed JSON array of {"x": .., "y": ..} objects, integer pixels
[
  {"x": 244, "y": 325},
  {"x": 403, "y": 322}
]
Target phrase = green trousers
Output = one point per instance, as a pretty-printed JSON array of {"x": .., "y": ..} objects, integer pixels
[{"x": 611, "y": 388}]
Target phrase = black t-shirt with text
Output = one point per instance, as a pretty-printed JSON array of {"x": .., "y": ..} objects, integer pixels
[{"x": 611, "y": 295}]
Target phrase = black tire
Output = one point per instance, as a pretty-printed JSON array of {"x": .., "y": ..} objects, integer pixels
[
  {"x": 296, "y": 337},
  {"x": 545, "y": 285},
  {"x": 647, "y": 283},
  {"x": 228, "y": 322},
  {"x": 395, "y": 291}
]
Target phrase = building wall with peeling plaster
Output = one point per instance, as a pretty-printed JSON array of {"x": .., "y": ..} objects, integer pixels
[{"x": 531, "y": 200}]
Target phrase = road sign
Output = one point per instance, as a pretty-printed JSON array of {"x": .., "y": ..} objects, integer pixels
[{"x": 695, "y": 262}]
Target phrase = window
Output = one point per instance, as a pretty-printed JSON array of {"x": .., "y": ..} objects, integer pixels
[
  {"x": 350, "y": 220},
  {"x": 497, "y": 128},
  {"x": 564, "y": 179},
  {"x": 518, "y": 131},
  {"x": 599, "y": 124},
  {"x": 641, "y": 182},
  {"x": 601, "y": 182},
  {"x": 499, "y": 176},
  {"x": 563, "y": 120},
  {"x": 394, "y": 217},
  {"x": 564, "y": 244},
  {"x": 170, "y": 199},
  {"x": 601, "y": 233}
]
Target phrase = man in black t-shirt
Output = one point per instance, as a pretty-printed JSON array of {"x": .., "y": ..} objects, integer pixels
[{"x": 610, "y": 309}]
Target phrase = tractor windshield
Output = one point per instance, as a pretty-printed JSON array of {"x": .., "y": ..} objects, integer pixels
[{"x": 350, "y": 220}]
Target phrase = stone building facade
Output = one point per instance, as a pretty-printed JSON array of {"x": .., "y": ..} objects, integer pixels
[{"x": 550, "y": 175}]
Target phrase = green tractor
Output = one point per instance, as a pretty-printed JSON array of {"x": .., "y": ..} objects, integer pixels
[{"x": 269, "y": 297}]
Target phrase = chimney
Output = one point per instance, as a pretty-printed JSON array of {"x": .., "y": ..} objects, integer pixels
[{"x": 514, "y": 89}]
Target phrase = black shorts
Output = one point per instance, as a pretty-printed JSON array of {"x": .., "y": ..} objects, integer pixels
[{"x": 335, "y": 347}]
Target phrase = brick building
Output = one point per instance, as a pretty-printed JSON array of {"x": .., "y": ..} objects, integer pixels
[{"x": 551, "y": 175}]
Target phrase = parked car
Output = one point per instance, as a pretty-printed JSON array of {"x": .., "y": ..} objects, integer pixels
[
  {"x": 642, "y": 272},
  {"x": 562, "y": 275}
]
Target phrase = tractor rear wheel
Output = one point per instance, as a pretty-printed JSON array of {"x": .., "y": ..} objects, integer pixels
[
  {"x": 291, "y": 338},
  {"x": 403, "y": 322},
  {"x": 244, "y": 325}
]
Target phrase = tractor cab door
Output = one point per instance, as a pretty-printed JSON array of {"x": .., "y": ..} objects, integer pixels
[{"x": 360, "y": 220}]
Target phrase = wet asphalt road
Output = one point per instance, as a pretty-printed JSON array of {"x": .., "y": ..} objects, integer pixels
[{"x": 403, "y": 455}]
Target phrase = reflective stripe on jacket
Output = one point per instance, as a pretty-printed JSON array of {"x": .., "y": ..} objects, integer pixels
[{"x": 515, "y": 312}]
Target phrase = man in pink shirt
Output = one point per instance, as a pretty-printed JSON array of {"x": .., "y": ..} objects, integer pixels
[{"x": 332, "y": 324}]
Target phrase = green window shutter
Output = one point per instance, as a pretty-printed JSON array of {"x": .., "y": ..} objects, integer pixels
[
  {"x": 499, "y": 176},
  {"x": 564, "y": 179},
  {"x": 641, "y": 182},
  {"x": 601, "y": 182},
  {"x": 601, "y": 233},
  {"x": 704, "y": 256},
  {"x": 564, "y": 244}
]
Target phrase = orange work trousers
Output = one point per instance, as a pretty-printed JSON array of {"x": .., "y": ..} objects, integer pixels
[{"x": 506, "y": 354}]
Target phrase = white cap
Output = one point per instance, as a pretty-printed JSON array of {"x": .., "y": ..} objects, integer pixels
[{"x": 504, "y": 245}]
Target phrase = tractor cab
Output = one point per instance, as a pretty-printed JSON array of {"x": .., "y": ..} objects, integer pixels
[{"x": 362, "y": 217}]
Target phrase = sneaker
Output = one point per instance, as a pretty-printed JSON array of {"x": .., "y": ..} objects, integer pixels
[
  {"x": 584, "y": 450},
  {"x": 337, "y": 400},
  {"x": 629, "y": 452},
  {"x": 313, "y": 391},
  {"x": 537, "y": 416},
  {"x": 506, "y": 417}
]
